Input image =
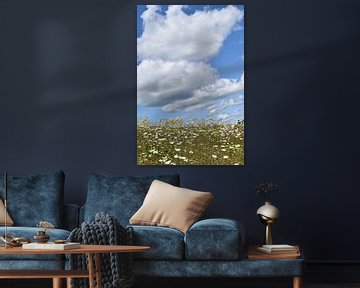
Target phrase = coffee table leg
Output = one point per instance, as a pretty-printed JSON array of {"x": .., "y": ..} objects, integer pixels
[
  {"x": 98, "y": 270},
  {"x": 297, "y": 282},
  {"x": 57, "y": 283},
  {"x": 68, "y": 282},
  {"x": 91, "y": 270}
]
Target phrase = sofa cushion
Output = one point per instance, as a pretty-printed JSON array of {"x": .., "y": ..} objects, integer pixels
[
  {"x": 214, "y": 239},
  {"x": 9, "y": 221},
  {"x": 170, "y": 206},
  {"x": 165, "y": 243},
  {"x": 29, "y": 232},
  {"x": 119, "y": 196},
  {"x": 35, "y": 198}
]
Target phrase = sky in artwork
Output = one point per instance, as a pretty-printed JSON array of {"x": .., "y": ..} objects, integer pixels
[{"x": 190, "y": 62}]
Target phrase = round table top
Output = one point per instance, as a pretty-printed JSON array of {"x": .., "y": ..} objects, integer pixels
[{"x": 90, "y": 249}]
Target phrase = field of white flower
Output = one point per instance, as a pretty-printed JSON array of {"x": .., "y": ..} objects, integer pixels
[{"x": 173, "y": 142}]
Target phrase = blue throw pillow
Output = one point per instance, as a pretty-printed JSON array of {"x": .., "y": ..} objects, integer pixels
[
  {"x": 35, "y": 198},
  {"x": 119, "y": 196}
]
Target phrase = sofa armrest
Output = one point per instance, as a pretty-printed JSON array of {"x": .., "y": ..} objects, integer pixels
[
  {"x": 215, "y": 239},
  {"x": 71, "y": 216}
]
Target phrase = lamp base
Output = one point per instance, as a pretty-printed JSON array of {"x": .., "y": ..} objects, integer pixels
[{"x": 268, "y": 237}]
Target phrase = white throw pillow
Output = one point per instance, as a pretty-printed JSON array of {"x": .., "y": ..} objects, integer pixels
[
  {"x": 9, "y": 221},
  {"x": 170, "y": 206}
]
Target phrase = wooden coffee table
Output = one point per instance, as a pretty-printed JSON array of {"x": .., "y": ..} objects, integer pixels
[{"x": 57, "y": 275}]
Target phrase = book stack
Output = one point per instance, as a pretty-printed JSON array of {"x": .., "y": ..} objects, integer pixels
[
  {"x": 282, "y": 251},
  {"x": 51, "y": 246},
  {"x": 279, "y": 249}
]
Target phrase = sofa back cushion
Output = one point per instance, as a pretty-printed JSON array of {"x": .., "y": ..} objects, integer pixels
[
  {"x": 118, "y": 195},
  {"x": 35, "y": 198}
]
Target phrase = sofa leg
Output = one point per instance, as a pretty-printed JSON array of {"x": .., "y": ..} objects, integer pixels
[
  {"x": 57, "y": 283},
  {"x": 297, "y": 282}
]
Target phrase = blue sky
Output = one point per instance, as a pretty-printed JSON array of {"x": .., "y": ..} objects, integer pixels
[{"x": 190, "y": 62}]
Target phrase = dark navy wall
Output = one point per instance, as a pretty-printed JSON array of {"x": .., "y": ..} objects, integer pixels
[{"x": 68, "y": 101}]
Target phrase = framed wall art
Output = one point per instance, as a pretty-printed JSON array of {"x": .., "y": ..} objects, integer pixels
[{"x": 190, "y": 85}]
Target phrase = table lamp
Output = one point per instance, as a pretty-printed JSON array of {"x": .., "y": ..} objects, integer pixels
[{"x": 268, "y": 214}]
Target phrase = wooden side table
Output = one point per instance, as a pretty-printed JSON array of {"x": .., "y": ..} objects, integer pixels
[
  {"x": 255, "y": 255},
  {"x": 93, "y": 251}
]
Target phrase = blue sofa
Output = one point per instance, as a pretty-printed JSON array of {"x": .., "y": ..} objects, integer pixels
[
  {"x": 32, "y": 199},
  {"x": 210, "y": 248}
]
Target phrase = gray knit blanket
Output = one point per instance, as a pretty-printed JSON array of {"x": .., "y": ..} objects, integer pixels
[{"x": 116, "y": 268}]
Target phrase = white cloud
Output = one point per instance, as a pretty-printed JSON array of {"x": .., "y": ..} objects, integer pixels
[
  {"x": 205, "y": 96},
  {"x": 177, "y": 35},
  {"x": 181, "y": 85},
  {"x": 173, "y": 69},
  {"x": 224, "y": 104},
  {"x": 223, "y": 117},
  {"x": 233, "y": 116},
  {"x": 162, "y": 82}
]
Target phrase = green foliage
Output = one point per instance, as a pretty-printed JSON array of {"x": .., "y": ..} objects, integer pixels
[{"x": 173, "y": 142}]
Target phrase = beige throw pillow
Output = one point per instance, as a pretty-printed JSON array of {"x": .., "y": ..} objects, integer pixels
[
  {"x": 9, "y": 221},
  {"x": 170, "y": 206}
]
